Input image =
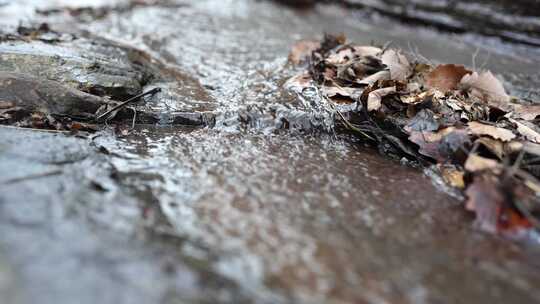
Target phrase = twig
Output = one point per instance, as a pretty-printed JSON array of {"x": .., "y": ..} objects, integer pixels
[
  {"x": 40, "y": 130},
  {"x": 123, "y": 104},
  {"x": 345, "y": 121},
  {"x": 134, "y": 118},
  {"x": 474, "y": 58},
  {"x": 530, "y": 217},
  {"x": 33, "y": 176}
]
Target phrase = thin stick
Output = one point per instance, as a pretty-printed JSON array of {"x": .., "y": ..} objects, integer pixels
[
  {"x": 134, "y": 118},
  {"x": 345, "y": 121},
  {"x": 33, "y": 176},
  {"x": 40, "y": 130},
  {"x": 134, "y": 98}
]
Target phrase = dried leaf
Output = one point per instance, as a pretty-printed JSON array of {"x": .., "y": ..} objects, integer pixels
[
  {"x": 302, "y": 50},
  {"x": 529, "y": 147},
  {"x": 527, "y": 131},
  {"x": 423, "y": 121},
  {"x": 496, "y": 147},
  {"x": 341, "y": 91},
  {"x": 348, "y": 53},
  {"x": 452, "y": 176},
  {"x": 476, "y": 128},
  {"x": 486, "y": 87},
  {"x": 421, "y": 97},
  {"x": 454, "y": 104},
  {"x": 434, "y": 144},
  {"x": 485, "y": 199},
  {"x": 374, "y": 100},
  {"x": 6, "y": 104},
  {"x": 371, "y": 79},
  {"x": 298, "y": 83},
  {"x": 398, "y": 64},
  {"x": 364, "y": 51},
  {"x": 526, "y": 112},
  {"x": 446, "y": 77},
  {"x": 477, "y": 163},
  {"x": 514, "y": 147}
]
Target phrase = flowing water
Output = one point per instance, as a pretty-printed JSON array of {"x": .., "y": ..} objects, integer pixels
[{"x": 242, "y": 210}]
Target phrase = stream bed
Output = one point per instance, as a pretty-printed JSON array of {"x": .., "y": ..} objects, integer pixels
[{"x": 238, "y": 191}]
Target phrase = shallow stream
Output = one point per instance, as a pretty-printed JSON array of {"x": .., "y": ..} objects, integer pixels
[{"x": 242, "y": 210}]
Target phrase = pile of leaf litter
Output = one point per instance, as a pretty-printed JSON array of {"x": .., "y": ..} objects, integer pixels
[{"x": 482, "y": 141}]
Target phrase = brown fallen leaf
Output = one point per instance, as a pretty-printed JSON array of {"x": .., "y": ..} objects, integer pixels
[
  {"x": 371, "y": 79},
  {"x": 375, "y": 97},
  {"x": 485, "y": 198},
  {"x": 528, "y": 147},
  {"x": 446, "y": 77},
  {"x": 363, "y": 51},
  {"x": 526, "y": 112},
  {"x": 477, "y": 163},
  {"x": 444, "y": 109},
  {"x": 476, "y": 128},
  {"x": 454, "y": 104},
  {"x": 302, "y": 50},
  {"x": 399, "y": 66},
  {"x": 496, "y": 147},
  {"x": 452, "y": 176},
  {"x": 6, "y": 104},
  {"x": 331, "y": 91},
  {"x": 348, "y": 53},
  {"x": 486, "y": 87},
  {"x": 421, "y": 97},
  {"x": 526, "y": 131},
  {"x": 424, "y": 120},
  {"x": 514, "y": 147},
  {"x": 299, "y": 82},
  {"x": 434, "y": 144}
]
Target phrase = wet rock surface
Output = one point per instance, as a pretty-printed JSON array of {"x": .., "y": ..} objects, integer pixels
[
  {"x": 87, "y": 71},
  {"x": 511, "y": 20},
  {"x": 259, "y": 208},
  {"x": 91, "y": 66},
  {"x": 36, "y": 94}
]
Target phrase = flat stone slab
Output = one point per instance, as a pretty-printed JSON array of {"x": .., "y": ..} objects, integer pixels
[{"x": 94, "y": 66}]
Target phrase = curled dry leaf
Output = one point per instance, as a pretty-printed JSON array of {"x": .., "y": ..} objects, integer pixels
[
  {"x": 446, "y": 77},
  {"x": 496, "y": 147},
  {"x": 398, "y": 64},
  {"x": 527, "y": 131},
  {"x": 302, "y": 50},
  {"x": 375, "y": 97},
  {"x": 476, "y": 128},
  {"x": 477, "y": 163},
  {"x": 486, "y": 87}
]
